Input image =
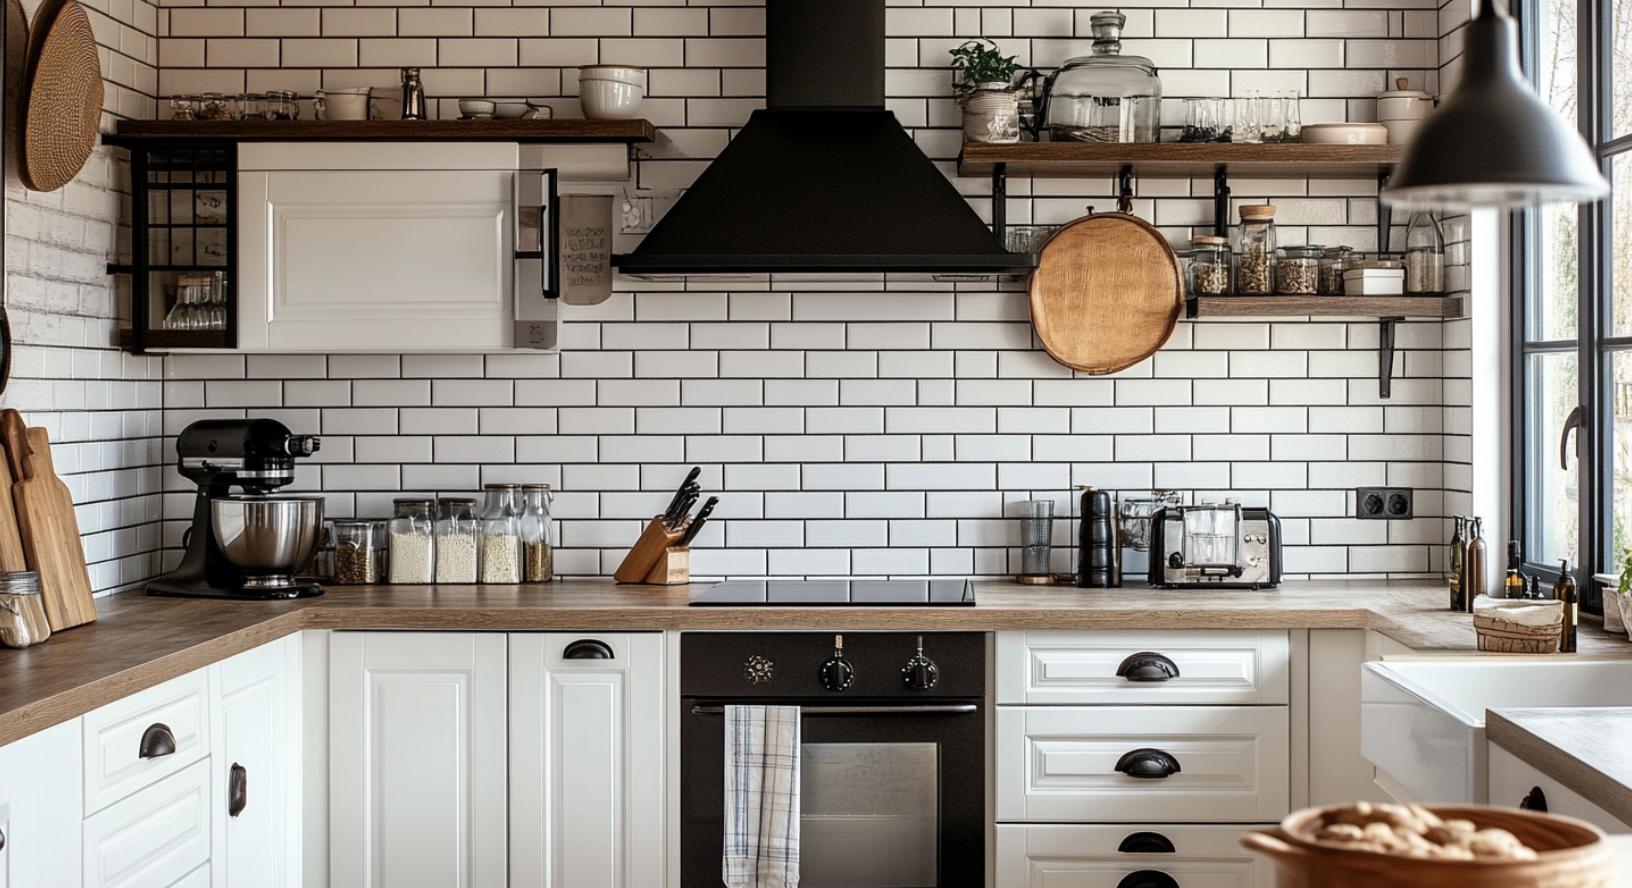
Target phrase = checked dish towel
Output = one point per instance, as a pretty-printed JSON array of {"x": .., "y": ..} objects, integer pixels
[{"x": 761, "y": 797}]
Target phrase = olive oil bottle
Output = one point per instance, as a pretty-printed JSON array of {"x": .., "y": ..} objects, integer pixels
[
  {"x": 1473, "y": 565},
  {"x": 1513, "y": 586}
]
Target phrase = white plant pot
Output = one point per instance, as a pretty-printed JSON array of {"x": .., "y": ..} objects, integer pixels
[{"x": 991, "y": 115}]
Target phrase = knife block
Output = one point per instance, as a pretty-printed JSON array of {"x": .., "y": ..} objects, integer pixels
[
  {"x": 649, "y": 554},
  {"x": 673, "y": 569}
]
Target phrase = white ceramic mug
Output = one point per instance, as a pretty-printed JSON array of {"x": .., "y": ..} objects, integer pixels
[{"x": 343, "y": 104}]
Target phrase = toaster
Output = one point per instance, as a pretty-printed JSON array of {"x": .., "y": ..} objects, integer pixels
[{"x": 1215, "y": 547}]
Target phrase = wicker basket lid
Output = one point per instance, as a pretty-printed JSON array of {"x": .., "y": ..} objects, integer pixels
[{"x": 62, "y": 96}]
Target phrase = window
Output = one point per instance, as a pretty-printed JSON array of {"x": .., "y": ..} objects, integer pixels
[{"x": 1574, "y": 275}]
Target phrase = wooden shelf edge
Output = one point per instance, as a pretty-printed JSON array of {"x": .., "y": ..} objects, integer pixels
[
  {"x": 527, "y": 131},
  {"x": 1438, "y": 307},
  {"x": 1082, "y": 159}
]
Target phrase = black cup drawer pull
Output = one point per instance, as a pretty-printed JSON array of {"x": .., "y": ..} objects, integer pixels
[
  {"x": 588, "y": 649},
  {"x": 1148, "y": 666},
  {"x": 1148, "y": 764},
  {"x": 1147, "y": 843},
  {"x": 1534, "y": 800},
  {"x": 157, "y": 741},
  {"x": 237, "y": 790},
  {"x": 1148, "y": 879}
]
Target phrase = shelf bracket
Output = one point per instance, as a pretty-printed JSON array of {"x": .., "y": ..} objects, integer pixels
[
  {"x": 1385, "y": 356},
  {"x": 1221, "y": 201},
  {"x": 1000, "y": 200},
  {"x": 1385, "y": 215},
  {"x": 1124, "y": 189}
]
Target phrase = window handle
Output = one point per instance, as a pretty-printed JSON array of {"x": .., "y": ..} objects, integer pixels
[{"x": 1575, "y": 421}]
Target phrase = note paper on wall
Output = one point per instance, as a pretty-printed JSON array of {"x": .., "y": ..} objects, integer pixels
[{"x": 586, "y": 248}]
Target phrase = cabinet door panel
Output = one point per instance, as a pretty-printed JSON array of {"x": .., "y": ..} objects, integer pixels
[
  {"x": 586, "y": 735},
  {"x": 257, "y": 730},
  {"x": 153, "y": 838},
  {"x": 417, "y": 759},
  {"x": 41, "y": 808}
]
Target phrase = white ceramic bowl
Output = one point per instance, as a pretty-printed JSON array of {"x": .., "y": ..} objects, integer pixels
[
  {"x": 609, "y": 99},
  {"x": 509, "y": 110},
  {"x": 475, "y": 107},
  {"x": 630, "y": 74},
  {"x": 1345, "y": 134},
  {"x": 1401, "y": 131}
]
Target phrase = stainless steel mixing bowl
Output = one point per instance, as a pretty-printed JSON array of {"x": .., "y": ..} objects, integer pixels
[{"x": 267, "y": 537}]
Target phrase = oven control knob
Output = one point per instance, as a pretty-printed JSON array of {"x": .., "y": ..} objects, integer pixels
[
  {"x": 837, "y": 673},
  {"x": 920, "y": 673}
]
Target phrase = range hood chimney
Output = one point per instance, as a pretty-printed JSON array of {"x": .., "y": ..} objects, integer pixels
[{"x": 824, "y": 181}]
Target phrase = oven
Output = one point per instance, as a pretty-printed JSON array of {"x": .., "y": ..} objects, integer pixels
[{"x": 892, "y": 751}]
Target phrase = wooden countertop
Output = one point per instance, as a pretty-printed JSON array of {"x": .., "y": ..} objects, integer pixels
[
  {"x": 1583, "y": 748},
  {"x": 138, "y": 642}
]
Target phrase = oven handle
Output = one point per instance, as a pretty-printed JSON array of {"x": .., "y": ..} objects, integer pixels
[{"x": 910, "y": 709}]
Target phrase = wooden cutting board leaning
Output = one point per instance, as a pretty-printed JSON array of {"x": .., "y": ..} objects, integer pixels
[{"x": 47, "y": 527}]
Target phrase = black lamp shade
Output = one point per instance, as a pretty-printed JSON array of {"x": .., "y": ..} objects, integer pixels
[{"x": 1492, "y": 142}]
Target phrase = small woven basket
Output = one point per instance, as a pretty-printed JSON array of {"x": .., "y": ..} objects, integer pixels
[{"x": 1503, "y": 637}]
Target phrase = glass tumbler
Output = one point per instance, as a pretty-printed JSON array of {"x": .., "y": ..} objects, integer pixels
[{"x": 1036, "y": 541}]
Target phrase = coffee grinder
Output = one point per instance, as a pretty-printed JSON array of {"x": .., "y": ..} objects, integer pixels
[{"x": 244, "y": 546}]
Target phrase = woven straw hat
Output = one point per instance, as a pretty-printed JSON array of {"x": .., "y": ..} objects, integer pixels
[{"x": 62, "y": 104}]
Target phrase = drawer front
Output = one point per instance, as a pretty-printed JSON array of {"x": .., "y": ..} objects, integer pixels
[
  {"x": 1072, "y": 856},
  {"x": 1212, "y": 667},
  {"x": 199, "y": 878},
  {"x": 153, "y": 839},
  {"x": 114, "y": 766},
  {"x": 1059, "y": 764}
]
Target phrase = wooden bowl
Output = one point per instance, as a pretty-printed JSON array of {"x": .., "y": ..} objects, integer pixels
[{"x": 1569, "y": 854}]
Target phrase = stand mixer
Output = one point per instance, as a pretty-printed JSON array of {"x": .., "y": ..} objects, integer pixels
[{"x": 245, "y": 546}]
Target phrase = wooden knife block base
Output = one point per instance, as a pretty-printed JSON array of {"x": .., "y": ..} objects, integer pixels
[
  {"x": 652, "y": 558},
  {"x": 673, "y": 569}
]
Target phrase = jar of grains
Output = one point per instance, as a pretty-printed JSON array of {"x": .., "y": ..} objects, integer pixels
[
  {"x": 1255, "y": 262},
  {"x": 1331, "y": 270},
  {"x": 1211, "y": 266},
  {"x": 458, "y": 534},
  {"x": 501, "y": 534},
  {"x": 537, "y": 535},
  {"x": 1297, "y": 270},
  {"x": 359, "y": 552},
  {"x": 22, "y": 615},
  {"x": 413, "y": 554}
]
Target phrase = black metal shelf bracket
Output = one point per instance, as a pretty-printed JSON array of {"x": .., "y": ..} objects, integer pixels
[
  {"x": 1221, "y": 201},
  {"x": 1000, "y": 200},
  {"x": 1385, "y": 356},
  {"x": 1124, "y": 189},
  {"x": 1385, "y": 215}
]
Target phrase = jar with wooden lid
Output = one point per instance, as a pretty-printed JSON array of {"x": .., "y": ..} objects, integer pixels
[
  {"x": 411, "y": 535},
  {"x": 22, "y": 614},
  {"x": 501, "y": 534},
  {"x": 458, "y": 534},
  {"x": 537, "y": 534},
  {"x": 1255, "y": 262},
  {"x": 1212, "y": 265},
  {"x": 1297, "y": 270}
]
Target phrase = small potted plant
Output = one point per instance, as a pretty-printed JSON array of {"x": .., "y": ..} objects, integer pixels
[{"x": 982, "y": 78}]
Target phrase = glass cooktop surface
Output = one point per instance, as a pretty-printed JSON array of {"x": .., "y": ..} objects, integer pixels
[{"x": 838, "y": 593}]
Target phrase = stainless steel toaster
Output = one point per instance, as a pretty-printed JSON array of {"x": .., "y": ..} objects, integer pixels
[{"x": 1218, "y": 546}]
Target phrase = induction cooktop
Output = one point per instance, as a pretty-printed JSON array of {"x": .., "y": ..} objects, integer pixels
[{"x": 838, "y": 593}]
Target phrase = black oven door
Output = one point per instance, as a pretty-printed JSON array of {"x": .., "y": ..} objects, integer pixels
[{"x": 892, "y": 795}]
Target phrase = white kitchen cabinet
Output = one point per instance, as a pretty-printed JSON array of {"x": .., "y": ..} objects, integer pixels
[
  {"x": 174, "y": 714},
  {"x": 1208, "y": 667},
  {"x": 376, "y": 247},
  {"x": 1080, "y": 856},
  {"x": 41, "y": 808},
  {"x": 586, "y": 760},
  {"x": 257, "y": 737},
  {"x": 154, "y": 837},
  {"x": 1512, "y": 779},
  {"x": 417, "y": 760}
]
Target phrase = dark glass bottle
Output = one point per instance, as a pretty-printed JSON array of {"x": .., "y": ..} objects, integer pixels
[
  {"x": 1513, "y": 586},
  {"x": 1097, "y": 566},
  {"x": 1453, "y": 572}
]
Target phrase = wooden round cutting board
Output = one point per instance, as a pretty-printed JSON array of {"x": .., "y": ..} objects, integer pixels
[
  {"x": 1106, "y": 293},
  {"x": 62, "y": 102}
]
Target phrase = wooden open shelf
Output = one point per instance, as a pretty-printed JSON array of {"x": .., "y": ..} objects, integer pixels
[
  {"x": 1325, "y": 306},
  {"x": 1177, "y": 159},
  {"x": 566, "y": 130}
]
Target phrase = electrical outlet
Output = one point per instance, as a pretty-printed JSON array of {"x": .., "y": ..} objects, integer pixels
[{"x": 1384, "y": 503}]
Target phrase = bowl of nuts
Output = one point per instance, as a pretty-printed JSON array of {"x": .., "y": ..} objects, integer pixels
[{"x": 1413, "y": 846}]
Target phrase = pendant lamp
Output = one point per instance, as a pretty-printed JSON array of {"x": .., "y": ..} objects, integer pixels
[{"x": 1493, "y": 142}]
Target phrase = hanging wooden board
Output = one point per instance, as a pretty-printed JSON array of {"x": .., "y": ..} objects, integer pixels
[
  {"x": 62, "y": 104},
  {"x": 49, "y": 529},
  {"x": 1106, "y": 294}
]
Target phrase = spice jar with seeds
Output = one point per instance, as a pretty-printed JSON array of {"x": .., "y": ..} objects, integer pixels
[
  {"x": 458, "y": 533},
  {"x": 1331, "y": 270},
  {"x": 501, "y": 534},
  {"x": 410, "y": 532},
  {"x": 537, "y": 535},
  {"x": 1211, "y": 266},
  {"x": 359, "y": 552},
  {"x": 1297, "y": 270},
  {"x": 1255, "y": 262}
]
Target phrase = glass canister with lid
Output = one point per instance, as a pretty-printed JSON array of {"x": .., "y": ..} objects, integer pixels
[
  {"x": 1297, "y": 270},
  {"x": 22, "y": 614},
  {"x": 537, "y": 535},
  {"x": 1331, "y": 270},
  {"x": 359, "y": 552},
  {"x": 1106, "y": 96},
  {"x": 1211, "y": 266},
  {"x": 1255, "y": 251},
  {"x": 501, "y": 534},
  {"x": 410, "y": 532},
  {"x": 458, "y": 532},
  {"x": 1424, "y": 255}
]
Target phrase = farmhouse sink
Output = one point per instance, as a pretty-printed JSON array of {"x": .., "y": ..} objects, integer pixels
[{"x": 1422, "y": 722}]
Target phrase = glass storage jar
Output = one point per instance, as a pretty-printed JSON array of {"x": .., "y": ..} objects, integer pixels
[
  {"x": 410, "y": 530},
  {"x": 1297, "y": 270},
  {"x": 501, "y": 534},
  {"x": 1424, "y": 255},
  {"x": 537, "y": 535},
  {"x": 458, "y": 533},
  {"x": 22, "y": 614},
  {"x": 1255, "y": 251},
  {"x": 1331, "y": 270},
  {"x": 1106, "y": 96},
  {"x": 1211, "y": 266},
  {"x": 359, "y": 552}
]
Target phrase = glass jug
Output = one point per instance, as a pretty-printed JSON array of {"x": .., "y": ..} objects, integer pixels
[{"x": 1107, "y": 96}]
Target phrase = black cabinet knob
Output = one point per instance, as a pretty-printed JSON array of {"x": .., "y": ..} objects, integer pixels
[
  {"x": 237, "y": 790},
  {"x": 157, "y": 741},
  {"x": 1534, "y": 800},
  {"x": 1148, "y": 879},
  {"x": 1147, "y": 666},
  {"x": 1148, "y": 764}
]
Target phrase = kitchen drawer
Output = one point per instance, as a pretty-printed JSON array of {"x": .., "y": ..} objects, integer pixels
[
  {"x": 1214, "y": 667},
  {"x": 1058, "y": 763},
  {"x": 114, "y": 766},
  {"x": 153, "y": 839},
  {"x": 1073, "y": 856},
  {"x": 199, "y": 878}
]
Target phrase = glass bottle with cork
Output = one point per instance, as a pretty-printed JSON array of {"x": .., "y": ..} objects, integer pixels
[
  {"x": 1255, "y": 251},
  {"x": 537, "y": 535}
]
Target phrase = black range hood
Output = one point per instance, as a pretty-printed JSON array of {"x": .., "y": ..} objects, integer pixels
[{"x": 824, "y": 181}]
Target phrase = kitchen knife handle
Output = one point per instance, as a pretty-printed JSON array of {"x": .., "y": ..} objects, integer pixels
[
  {"x": 158, "y": 741},
  {"x": 237, "y": 790}
]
